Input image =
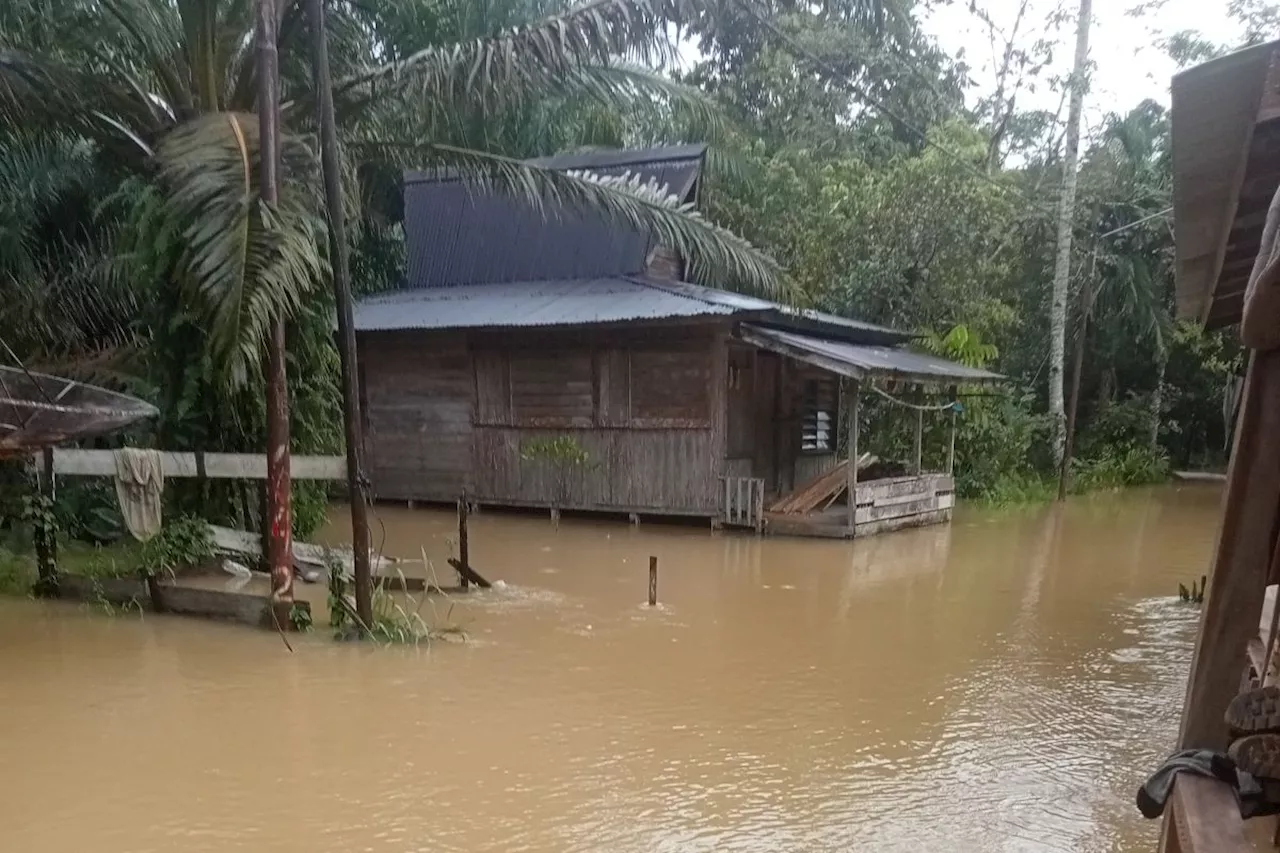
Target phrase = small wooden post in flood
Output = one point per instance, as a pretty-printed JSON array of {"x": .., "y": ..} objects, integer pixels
[
  {"x": 852, "y": 472},
  {"x": 653, "y": 581},
  {"x": 46, "y": 541},
  {"x": 464, "y": 556}
]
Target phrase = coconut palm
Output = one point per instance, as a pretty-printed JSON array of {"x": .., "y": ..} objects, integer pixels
[{"x": 413, "y": 80}]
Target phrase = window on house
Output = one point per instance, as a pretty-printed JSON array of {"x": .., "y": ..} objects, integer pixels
[{"x": 819, "y": 412}]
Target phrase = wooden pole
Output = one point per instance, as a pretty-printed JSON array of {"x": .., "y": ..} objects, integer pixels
[
  {"x": 919, "y": 458},
  {"x": 46, "y": 540},
  {"x": 653, "y": 581},
  {"x": 339, "y": 262},
  {"x": 280, "y": 526},
  {"x": 1086, "y": 305},
  {"x": 951, "y": 446},
  {"x": 464, "y": 548},
  {"x": 851, "y": 483}
]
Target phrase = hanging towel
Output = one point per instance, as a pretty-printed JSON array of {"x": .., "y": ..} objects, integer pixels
[{"x": 139, "y": 486}]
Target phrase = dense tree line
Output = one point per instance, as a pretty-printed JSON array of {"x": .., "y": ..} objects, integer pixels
[{"x": 846, "y": 146}]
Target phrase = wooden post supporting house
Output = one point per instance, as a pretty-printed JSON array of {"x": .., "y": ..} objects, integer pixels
[
  {"x": 852, "y": 472},
  {"x": 919, "y": 454},
  {"x": 951, "y": 440}
]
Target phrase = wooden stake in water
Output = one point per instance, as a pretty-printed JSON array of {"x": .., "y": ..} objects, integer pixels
[
  {"x": 653, "y": 581},
  {"x": 464, "y": 550}
]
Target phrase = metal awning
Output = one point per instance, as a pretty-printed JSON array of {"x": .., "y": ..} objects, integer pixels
[{"x": 865, "y": 362}]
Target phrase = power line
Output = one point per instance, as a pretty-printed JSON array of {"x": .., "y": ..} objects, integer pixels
[{"x": 1136, "y": 223}]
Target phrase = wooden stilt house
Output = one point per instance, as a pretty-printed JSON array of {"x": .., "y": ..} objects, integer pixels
[{"x": 550, "y": 359}]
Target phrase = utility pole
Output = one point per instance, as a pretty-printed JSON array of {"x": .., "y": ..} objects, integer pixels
[
  {"x": 1066, "y": 213},
  {"x": 280, "y": 517},
  {"x": 331, "y": 162}
]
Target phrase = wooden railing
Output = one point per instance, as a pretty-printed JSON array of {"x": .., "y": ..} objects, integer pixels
[
  {"x": 1202, "y": 816},
  {"x": 743, "y": 504}
]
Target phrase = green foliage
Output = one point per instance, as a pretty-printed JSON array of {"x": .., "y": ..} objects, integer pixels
[
  {"x": 560, "y": 451},
  {"x": 1201, "y": 371},
  {"x": 300, "y": 618},
  {"x": 1117, "y": 467},
  {"x": 184, "y": 541},
  {"x": 17, "y": 573},
  {"x": 960, "y": 344}
]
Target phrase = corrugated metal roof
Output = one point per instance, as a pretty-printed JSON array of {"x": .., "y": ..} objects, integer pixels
[
  {"x": 866, "y": 361},
  {"x": 460, "y": 235},
  {"x": 577, "y": 302},
  {"x": 1216, "y": 222},
  {"x": 788, "y": 316},
  {"x": 528, "y": 304}
]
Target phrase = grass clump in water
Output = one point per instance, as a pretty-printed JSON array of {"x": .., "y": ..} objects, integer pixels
[{"x": 392, "y": 623}]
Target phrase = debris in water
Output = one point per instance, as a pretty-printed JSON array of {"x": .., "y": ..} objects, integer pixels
[
  {"x": 239, "y": 570},
  {"x": 499, "y": 584}
]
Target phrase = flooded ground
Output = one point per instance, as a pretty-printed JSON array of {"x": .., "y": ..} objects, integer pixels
[{"x": 1002, "y": 684}]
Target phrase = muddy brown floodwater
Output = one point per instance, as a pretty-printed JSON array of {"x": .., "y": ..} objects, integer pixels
[{"x": 1002, "y": 684}]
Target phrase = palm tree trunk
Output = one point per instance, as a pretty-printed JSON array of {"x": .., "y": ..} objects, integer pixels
[
  {"x": 1066, "y": 211},
  {"x": 330, "y": 157},
  {"x": 280, "y": 526}
]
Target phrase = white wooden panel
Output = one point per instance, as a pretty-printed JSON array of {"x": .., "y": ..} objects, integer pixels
[{"x": 240, "y": 466}]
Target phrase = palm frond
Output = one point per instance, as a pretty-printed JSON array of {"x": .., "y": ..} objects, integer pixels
[
  {"x": 524, "y": 59},
  {"x": 628, "y": 88},
  {"x": 241, "y": 262},
  {"x": 714, "y": 255}
]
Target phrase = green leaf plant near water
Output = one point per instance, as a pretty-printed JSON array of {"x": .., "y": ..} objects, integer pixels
[
  {"x": 397, "y": 617},
  {"x": 561, "y": 457}
]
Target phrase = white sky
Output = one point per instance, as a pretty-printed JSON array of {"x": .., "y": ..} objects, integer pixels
[{"x": 1128, "y": 65}]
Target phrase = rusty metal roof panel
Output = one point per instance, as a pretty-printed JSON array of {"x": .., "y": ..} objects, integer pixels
[
  {"x": 458, "y": 234},
  {"x": 529, "y": 304},
  {"x": 866, "y": 361},
  {"x": 1215, "y": 111}
]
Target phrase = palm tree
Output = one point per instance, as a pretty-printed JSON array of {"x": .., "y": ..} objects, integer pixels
[
  {"x": 1128, "y": 174},
  {"x": 166, "y": 89}
]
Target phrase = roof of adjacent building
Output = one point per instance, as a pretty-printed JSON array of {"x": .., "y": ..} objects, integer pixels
[
  {"x": 592, "y": 301},
  {"x": 865, "y": 361},
  {"x": 1224, "y": 144},
  {"x": 461, "y": 234},
  {"x": 480, "y": 260}
]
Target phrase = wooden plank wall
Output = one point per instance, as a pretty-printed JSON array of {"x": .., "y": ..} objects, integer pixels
[
  {"x": 446, "y": 412},
  {"x": 418, "y": 407},
  {"x": 640, "y": 405}
]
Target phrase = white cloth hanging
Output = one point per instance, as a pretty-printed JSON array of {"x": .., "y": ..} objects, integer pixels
[{"x": 140, "y": 489}]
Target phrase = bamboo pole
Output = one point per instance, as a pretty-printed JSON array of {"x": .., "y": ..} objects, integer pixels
[
  {"x": 653, "y": 581},
  {"x": 339, "y": 261},
  {"x": 279, "y": 530}
]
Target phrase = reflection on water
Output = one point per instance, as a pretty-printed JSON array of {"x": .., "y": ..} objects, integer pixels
[{"x": 1002, "y": 684}]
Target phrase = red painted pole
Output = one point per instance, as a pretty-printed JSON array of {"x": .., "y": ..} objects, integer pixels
[{"x": 280, "y": 525}]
